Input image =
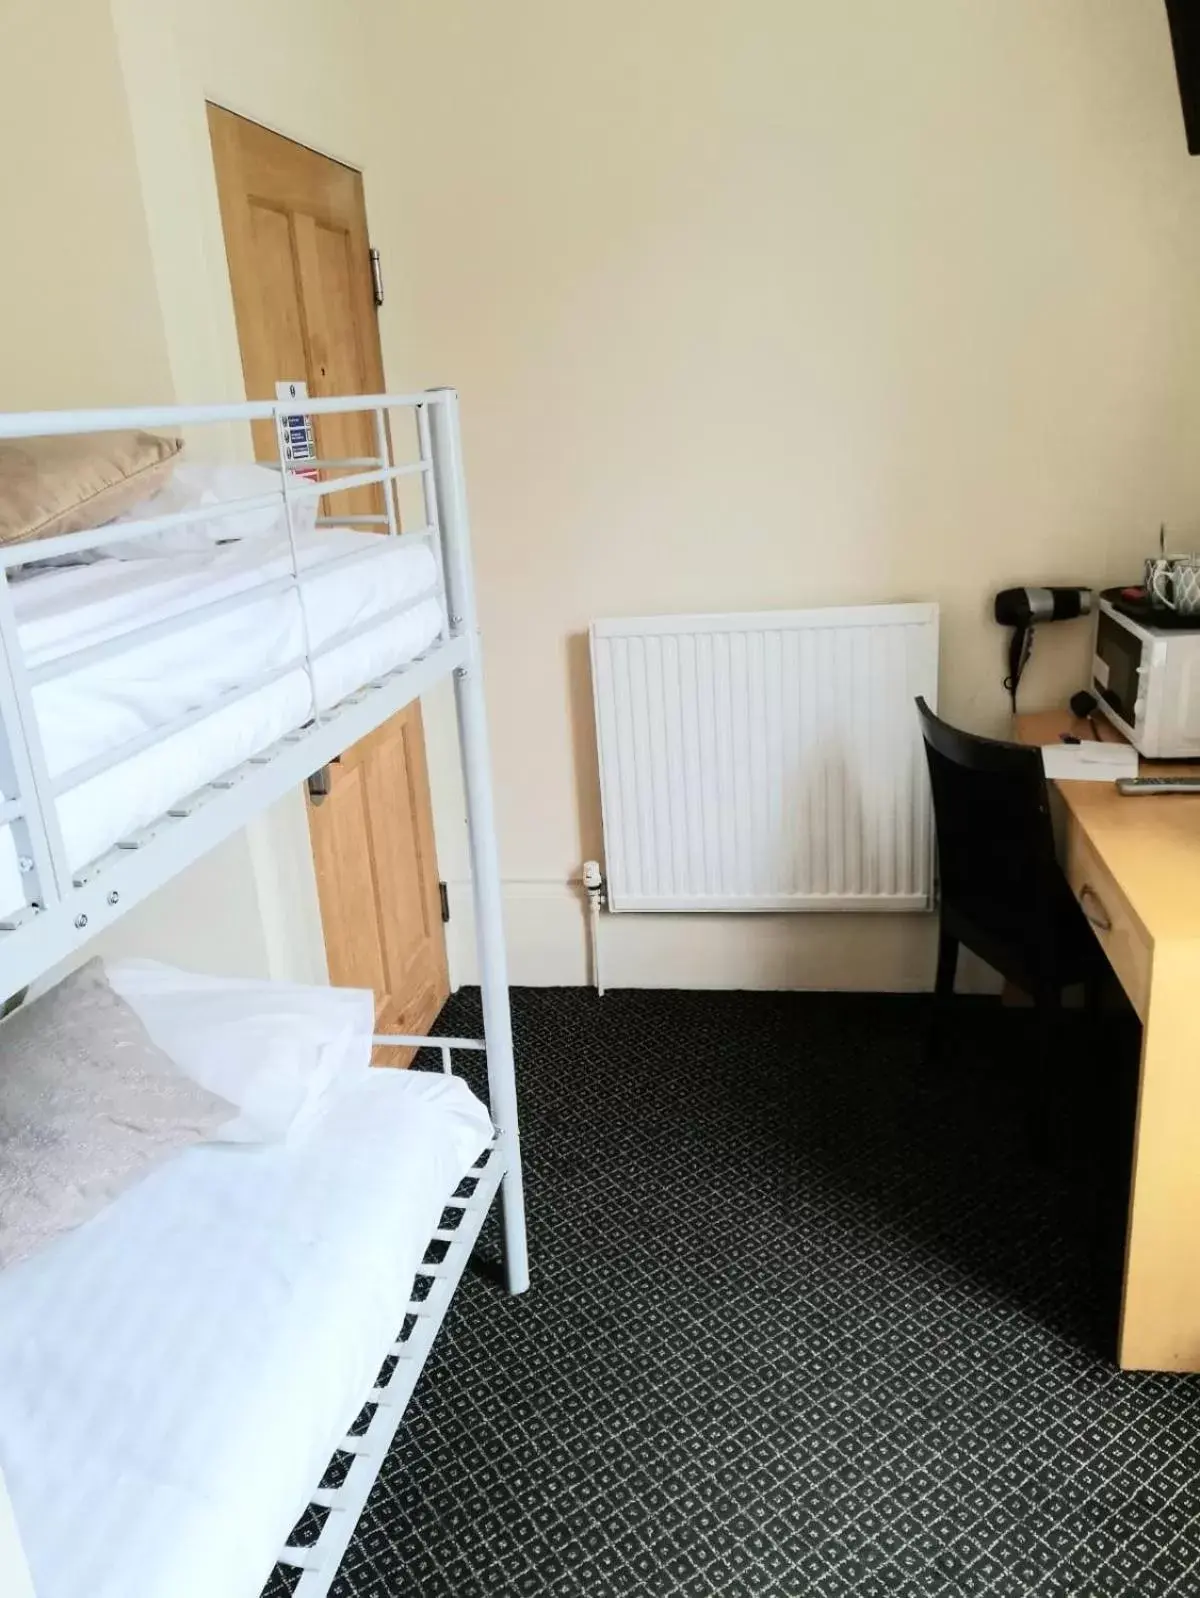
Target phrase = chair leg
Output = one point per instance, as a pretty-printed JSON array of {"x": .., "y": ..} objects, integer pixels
[
  {"x": 947, "y": 966},
  {"x": 1093, "y": 996},
  {"x": 1047, "y": 1003},
  {"x": 1044, "y": 1123},
  {"x": 943, "y": 992}
]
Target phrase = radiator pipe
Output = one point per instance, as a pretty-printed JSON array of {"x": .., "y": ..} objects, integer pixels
[{"x": 593, "y": 881}]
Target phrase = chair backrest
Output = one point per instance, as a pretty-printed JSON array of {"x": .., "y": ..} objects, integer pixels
[{"x": 995, "y": 836}]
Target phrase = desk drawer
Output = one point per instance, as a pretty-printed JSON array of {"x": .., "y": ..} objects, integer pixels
[{"x": 1117, "y": 930}]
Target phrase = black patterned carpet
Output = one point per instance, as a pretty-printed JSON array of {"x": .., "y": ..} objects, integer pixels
[{"x": 808, "y": 1316}]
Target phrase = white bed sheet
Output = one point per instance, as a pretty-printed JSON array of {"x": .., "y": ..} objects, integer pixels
[
  {"x": 92, "y": 711},
  {"x": 174, "y": 1374}
]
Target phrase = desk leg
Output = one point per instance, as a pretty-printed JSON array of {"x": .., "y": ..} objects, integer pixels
[{"x": 1160, "y": 1312}]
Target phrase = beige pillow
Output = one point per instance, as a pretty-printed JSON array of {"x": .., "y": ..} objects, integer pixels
[
  {"x": 88, "y": 1106},
  {"x": 68, "y": 484}
]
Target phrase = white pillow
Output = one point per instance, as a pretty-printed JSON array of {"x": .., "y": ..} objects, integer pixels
[
  {"x": 273, "y": 1049},
  {"x": 195, "y": 487},
  {"x": 88, "y": 1106}
]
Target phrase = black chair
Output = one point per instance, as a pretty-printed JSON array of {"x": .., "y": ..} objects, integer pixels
[{"x": 1003, "y": 894}]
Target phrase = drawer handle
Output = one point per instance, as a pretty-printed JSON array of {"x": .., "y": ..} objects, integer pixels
[{"x": 1099, "y": 917}]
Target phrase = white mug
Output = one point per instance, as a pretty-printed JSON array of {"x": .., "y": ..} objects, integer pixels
[{"x": 1175, "y": 583}]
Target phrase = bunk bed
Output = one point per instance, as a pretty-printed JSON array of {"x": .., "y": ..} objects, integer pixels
[{"x": 268, "y": 662}]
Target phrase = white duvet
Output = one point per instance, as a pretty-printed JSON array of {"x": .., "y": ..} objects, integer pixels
[
  {"x": 174, "y": 1374},
  {"x": 99, "y": 707}
]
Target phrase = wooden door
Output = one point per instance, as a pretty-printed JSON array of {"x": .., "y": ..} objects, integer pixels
[{"x": 296, "y": 238}]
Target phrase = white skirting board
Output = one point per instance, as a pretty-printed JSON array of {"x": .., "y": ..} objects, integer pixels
[
  {"x": 546, "y": 932},
  {"x": 769, "y": 760}
]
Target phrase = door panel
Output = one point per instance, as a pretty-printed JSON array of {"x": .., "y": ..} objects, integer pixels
[
  {"x": 403, "y": 857},
  {"x": 346, "y": 883},
  {"x": 373, "y": 849},
  {"x": 296, "y": 238},
  {"x": 337, "y": 360},
  {"x": 278, "y": 299}
]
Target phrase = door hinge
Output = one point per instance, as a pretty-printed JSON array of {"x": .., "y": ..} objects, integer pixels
[
  {"x": 376, "y": 277},
  {"x": 444, "y": 896}
]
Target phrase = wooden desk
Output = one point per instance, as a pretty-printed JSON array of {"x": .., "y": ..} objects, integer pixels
[{"x": 1135, "y": 866}]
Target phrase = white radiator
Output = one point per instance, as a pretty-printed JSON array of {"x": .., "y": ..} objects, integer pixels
[{"x": 766, "y": 761}]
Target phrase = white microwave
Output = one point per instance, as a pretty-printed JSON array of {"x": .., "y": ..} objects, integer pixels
[{"x": 1147, "y": 680}]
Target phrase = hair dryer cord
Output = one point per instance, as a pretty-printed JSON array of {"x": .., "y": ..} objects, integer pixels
[{"x": 1020, "y": 647}]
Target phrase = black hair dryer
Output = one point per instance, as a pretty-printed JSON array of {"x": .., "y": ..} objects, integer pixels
[{"x": 1021, "y": 609}]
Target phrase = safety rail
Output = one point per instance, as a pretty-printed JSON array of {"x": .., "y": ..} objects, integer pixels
[{"x": 29, "y": 794}]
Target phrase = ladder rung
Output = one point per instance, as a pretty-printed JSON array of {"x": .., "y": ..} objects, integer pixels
[
  {"x": 302, "y": 1558},
  {"x": 381, "y": 1397}
]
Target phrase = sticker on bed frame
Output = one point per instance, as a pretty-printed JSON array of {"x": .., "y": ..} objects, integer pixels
[{"x": 296, "y": 434}]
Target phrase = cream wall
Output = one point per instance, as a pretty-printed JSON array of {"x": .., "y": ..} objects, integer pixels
[
  {"x": 786, "y": 303},
  {"x": 78, "y": 306},
  {"x": 779, "y": 302}
]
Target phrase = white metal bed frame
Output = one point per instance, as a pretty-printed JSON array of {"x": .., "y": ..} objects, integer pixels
[{"x": 64, "y": 907}]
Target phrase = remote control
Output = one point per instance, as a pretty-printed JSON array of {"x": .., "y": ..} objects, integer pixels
[{"x": 1137, "y": 787}]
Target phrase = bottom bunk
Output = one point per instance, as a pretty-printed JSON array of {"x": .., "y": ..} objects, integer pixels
[{"x": 177, "y": 1373}]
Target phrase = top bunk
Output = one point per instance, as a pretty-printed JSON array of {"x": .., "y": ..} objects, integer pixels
[{"x": 168, "y": 675}]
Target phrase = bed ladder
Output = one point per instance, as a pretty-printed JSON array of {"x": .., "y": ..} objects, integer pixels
[{"x": 319, "y": 1560}]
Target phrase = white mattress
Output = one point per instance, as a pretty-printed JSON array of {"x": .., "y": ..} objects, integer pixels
[
  {"x": 174, "y": 1374},
  {"x": 92, "y": 711}
]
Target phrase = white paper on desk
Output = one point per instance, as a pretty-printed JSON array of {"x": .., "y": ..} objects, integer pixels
[{"x": 1093, "y": 761}]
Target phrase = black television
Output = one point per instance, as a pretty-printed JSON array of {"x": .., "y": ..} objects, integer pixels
[{"x": 1184, "y": 19}]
